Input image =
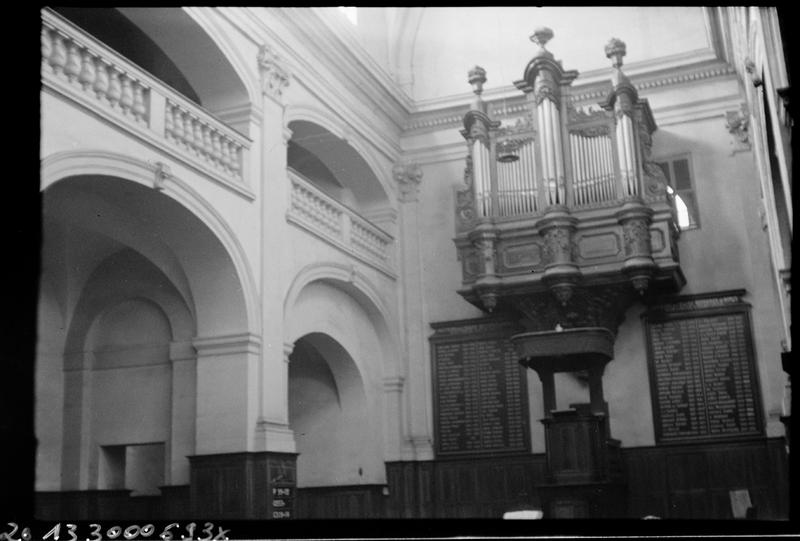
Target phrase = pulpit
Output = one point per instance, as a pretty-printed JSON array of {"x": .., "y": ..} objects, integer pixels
[{"x": 584, "y": 478}]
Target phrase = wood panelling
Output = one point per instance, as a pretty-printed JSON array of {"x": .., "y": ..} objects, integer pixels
[
  {"x": 239, "y": 485},
  {"x": 695, "y": 480},
  {"x": 172, "y": 503},
  {"x": 669, "y": 481},
  {"x": 479, "y": 487},
  {"x": 356, "y": 501}
]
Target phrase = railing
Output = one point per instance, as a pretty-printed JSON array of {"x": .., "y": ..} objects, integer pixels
[
  {"x": 322, "y": 215},
  {"x": 79, "y": 66}
]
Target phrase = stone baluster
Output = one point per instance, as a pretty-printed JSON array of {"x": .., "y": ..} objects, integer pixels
[
  {"x": 169, "y": 122},
  {"x": 139, "y": 108},
  {"x": 198, "y": 137},
  {"x": 87, "y": 75},
  {"x": 207, "y": 143},
  {"x": 101, "y": 81},
  {"x": 58, "y": 56},
  {"x": 73, "y": 66},
  {"x": 176, "y": 114},
  {"x": 47, "y": 44},
  {"x": 126, "y": 99},
  {"x": 114, "y": 87},
  {"x": 216, "y": 149},
  {"x": 236, "y": 157},
  {"x": 188, "y": 130}
]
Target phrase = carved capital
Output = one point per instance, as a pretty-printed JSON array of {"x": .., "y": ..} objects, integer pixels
[
  {"x": 750, "y": 68},
  {"x": 274, "y": 73},
  {"x": 408, "y": 177},
  {"x": 738, "y": 125}
]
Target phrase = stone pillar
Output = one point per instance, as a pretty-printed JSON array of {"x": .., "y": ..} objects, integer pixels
[
  {"x": 272, "y": 432},
  {"x": 183, "y": 358},
  {"x": 418, "y": 446},
  {"x": 227, "y": 392},
  {"x": 394, "y": 416}
]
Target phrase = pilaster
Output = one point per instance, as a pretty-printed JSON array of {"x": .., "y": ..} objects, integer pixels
[
  {"x": 227, "y": 392},
  {"x": 183, "y": 359},
  {"x": 272, "y": 432},
  {"x": 418, "y": 445}
]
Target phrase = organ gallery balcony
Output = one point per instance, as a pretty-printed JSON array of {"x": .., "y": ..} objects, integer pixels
[{"x": 563, "y": 217}]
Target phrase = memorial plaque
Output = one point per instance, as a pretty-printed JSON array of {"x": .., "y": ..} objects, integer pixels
[
  {"x": 480, "y": 389},
  {"x": 702, "y": 371}
]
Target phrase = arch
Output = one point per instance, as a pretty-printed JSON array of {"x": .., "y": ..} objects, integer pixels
[
  {"x": 331, "y": 415},
  {"x": 96, "y": 298},
  {"x": 230, "y": 86},
  {"x": 242, "y": 66},
  {"x": 336, "y": 126},
  {"x": 353, "y": 283},
  {"x": 69, "y": 164}
]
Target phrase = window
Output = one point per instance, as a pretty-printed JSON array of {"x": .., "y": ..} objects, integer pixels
[
  {"x": 351, "y": 12},
  {"x": 679, "y": 177}
]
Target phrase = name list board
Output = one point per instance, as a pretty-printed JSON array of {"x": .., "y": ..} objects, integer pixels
[
  {"x": 480, "y": 390},
  {"x": 702, "y": 374}
]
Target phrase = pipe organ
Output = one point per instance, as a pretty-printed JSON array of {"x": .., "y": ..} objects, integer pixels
[
  {"x": 558, "y": 155},
  {"x": 566, "y": 187}
]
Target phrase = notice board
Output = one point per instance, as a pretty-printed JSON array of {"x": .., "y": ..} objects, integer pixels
[
  {"x": 703, "y": 378},
  {"x": 479, "y": 388}
]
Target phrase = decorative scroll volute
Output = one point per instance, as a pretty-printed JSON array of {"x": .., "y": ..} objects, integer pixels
[
  {"x": 274, "y": 73},
  {"x": 408, "y": 177}
]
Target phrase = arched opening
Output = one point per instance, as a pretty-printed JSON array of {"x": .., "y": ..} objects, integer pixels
[
  {"x": 331, "y": 164},
  {"x": 338, "y": 409},
  {"x": 329, "y": 414},
  {"x": 173, "y": 47},
  {"x": 130, "y": 277}
]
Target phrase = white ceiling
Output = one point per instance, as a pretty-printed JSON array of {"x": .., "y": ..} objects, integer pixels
[{"x": 428, "y": 51}]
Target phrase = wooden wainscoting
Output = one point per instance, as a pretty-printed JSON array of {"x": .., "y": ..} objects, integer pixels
[
  {"x": 695, "y": 480},
  {"x": 352, "y": 501}
]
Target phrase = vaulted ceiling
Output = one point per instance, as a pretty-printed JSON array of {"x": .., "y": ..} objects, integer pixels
[{"x": 428, "y": 51}]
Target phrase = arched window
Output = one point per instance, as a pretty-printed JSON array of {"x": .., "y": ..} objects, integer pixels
[{"x": 681, "y": 187}]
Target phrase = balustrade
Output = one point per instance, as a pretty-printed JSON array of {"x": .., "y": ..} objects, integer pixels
[
  {"x": 322, "y": 215},
  {"x": 78, "y": 66}
]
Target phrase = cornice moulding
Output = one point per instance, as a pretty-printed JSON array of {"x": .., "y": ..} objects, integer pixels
[
  {"x": 227, "y": 344},
  {"x": 509, "y": 101}
]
